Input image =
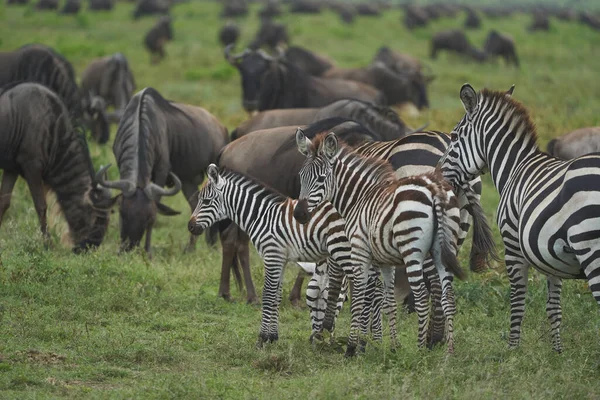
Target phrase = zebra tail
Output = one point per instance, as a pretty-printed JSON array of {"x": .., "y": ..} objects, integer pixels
[{"x": 445, "y": 236}]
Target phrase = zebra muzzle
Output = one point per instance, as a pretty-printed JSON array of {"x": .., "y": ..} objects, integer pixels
[
  {"x": 193, "y": 227},
  {"x": 301, "y": 213}
]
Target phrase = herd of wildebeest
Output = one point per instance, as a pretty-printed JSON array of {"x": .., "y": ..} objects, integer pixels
[{"x": 163, "y": 147}]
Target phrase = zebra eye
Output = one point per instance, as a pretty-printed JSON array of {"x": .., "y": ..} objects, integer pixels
[
  {"x": 454, "y": 136},
  {"x": 205, "y": 202},
  {"x": 321, "y": 178}
]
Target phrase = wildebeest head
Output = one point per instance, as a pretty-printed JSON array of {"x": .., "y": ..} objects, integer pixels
[
  {"x": 252, "y": 64},
  {"x": 94, "y": 111},
  {"x": 101, "y": 205},
  {"x": 138, "y": 206}
]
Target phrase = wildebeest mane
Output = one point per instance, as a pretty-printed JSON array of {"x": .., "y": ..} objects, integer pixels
[{"x": 283, "y": 86}]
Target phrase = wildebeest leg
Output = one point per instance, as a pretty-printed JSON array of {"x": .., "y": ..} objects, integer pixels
[
  {"x": 296, "y": 293},
  {"x": 33, "y": 176},
  {"x": 228, "y": 253},
  {"x": 189, "y": 189},
  {"x": 8, "y": 183},
  {"x": 148, "y": 240},
  {"x": 243, "y": 253}
]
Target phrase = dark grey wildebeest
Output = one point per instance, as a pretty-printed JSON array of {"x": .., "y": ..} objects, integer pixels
[
  {"x": 151, "y": 7},
  {"x": 47, "y": 5},
  {"x": 157, "y": 37},
  {"x": 382, "y": 121},
  {"x": 501, "y": 45},
  {"x": 310, "y": 62},
  {"x": 576, "y": 143},
  {"x": 269, "y": 83},
  {"x": 41, "y": 64},
  {"x": 71, "y": 7},
  {"x": 101, "y": 5},
  {"x": 111, "y": 79},
  {"x": 229, "y": 34},
  {"x": 159, "y": 141},
  {"x": 455, "y": 40},
  {"x": 40, "y": 143}
]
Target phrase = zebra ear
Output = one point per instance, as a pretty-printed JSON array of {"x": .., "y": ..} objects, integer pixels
[
  {"x": 468, "y": 96},
  {"x": 213, "y": 175},
  {"x": 510, "y": 91},
  {"x": 330, "y": 145},
  {"x": 302, "y": 142}
]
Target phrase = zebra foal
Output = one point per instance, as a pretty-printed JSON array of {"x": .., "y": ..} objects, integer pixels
[
  {"x": 267, "y": 217},
  {"x": 389, "y": 222},
  {"x": 549, "y": 209}
]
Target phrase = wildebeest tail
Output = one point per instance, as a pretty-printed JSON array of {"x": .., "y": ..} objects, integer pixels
[{"x": 445, "y": 235}]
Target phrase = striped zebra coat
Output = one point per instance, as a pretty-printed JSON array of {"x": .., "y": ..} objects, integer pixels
[
  {"x": 267, "y": 217},
  {"x": 389, "y": 222},
  {"x": 549, "y": 209}
]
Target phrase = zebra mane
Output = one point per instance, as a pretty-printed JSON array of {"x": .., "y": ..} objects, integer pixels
[
  {"x": 378, "y": 170},
  {"x": 268, "y": 191},
  {"x": 516, "y": 109}
]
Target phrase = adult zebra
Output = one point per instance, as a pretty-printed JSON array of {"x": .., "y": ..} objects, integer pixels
[
  {"x": 549, "y": 209},
  {"x": 266, "y": 216},
  {"x": 389, "y": 222}
]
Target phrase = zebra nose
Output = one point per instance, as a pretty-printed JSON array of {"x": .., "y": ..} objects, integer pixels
[
  {"x": 192, "y": 225},
  {"x": 301, "y": 213}
]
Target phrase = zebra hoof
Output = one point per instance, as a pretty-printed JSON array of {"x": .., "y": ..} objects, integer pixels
[
  {"x": 350, "y": 351},
  {"x": 273, "y": 337}
]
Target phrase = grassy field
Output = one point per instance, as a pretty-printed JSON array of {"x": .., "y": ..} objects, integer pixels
[{"x": 108, "y": 326}]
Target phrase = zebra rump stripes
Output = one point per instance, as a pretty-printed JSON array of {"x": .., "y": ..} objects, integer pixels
[
  {"x": 549, "y": 210},
  {"x": 266, "y": 216}
]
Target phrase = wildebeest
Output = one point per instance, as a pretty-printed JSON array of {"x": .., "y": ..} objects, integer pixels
[
  {"x": 382, "y": 121},
  {"x": 110, "y": 78},
  {"x": 345, "y": 11},
  {"x": 368, "y": 9},
  {"x": 455, "y": 40},
  {"x": 269, "y": 83},
  {"x": 539, "y": 22},
  {"x": 590, "y": 20},
  {"x": 576, "y": 143},
  {"x": 270, "y": 9},
  {"x": 310, "y": 62},
  {"x": 472, "y": 21},
  {"x": 41, "y": 64},
  {"x": 502, "y": 45},
  {"x": 156, "y": 139},
  {"x": 151, "y": 7},
  {"x": 157, "y": 37},
  {"x": 101, "y": 5},
  {"x": 415, "y": 17},
  {"x": 40, "y": 143},
  {"x": 305, "y": 7},
  {"x": 398, "y": 88},
  {"x": 271, "y": 34},
  {"x": 71, "y": 7},
  {"x": 234, "y": 8},
  {"x": 399, "y": 62},
  {"x": 11, "y": 2},
  {"x": 229, "y": 34},
  {"x": 47, "y": 5}
]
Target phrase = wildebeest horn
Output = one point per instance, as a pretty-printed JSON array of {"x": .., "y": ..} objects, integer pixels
[
  {"x": 419, "y": 129},
  {"x": 231, "y": 58},
  {"x": 153, "y": 190},
  {"x": 265, "y": 55},
  {"x": 125, "y": 186}
]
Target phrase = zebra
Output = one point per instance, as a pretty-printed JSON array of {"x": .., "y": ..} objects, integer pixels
[
  {"x": 415, "y": 154},
  {"x": 266, "y": 216},
  {"x": 388, "y": 221},
  {"x": 548, "y": 211}
]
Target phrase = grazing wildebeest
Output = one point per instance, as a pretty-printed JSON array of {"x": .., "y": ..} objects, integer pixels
[
  {"x": 157, "y": 139},
  {"x": 234, "y": 8},
  {"x": 71, "y": 7},
  {"x": 111, "y": 79},
  {"x": 502, "y": 45},
  {"x": 47, "y": 5},
  {"x": 397, "y": 88},
  {"x": 576, "y": 143},
  {"x": 399, "y": 62},
  {"x": 269, "y": 83},
  {"x": 539, "y": 22},
  {"x": 368, "y": 9},
  {"x": 151, "y": 7},
  {"x": 40, "y": 143},
  {"x": 101, "y": 5},
  {"x": 472, "y": 21},
  {"x": 415, "y": 17},
  {"x": 305, "y": 7},
  {"x": 229, "y": 34},
  {"x": 156, "y": 38},
  {"x": 270, "y": 9},
  {"x": 271, "y": 34},
  {"x": 345, "y": 11},
  {"x": 41, "y": 64},
  {"x": 590, "y": 20},
  {"x": 11, "y": 2},
  {"x": 382, "y": 121},
  {"x": 455, "y": 40},
  {"x": 312, "y": 63}
]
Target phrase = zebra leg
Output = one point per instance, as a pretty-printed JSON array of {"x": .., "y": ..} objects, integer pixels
[
  {"x": 437, "y": 326},
  {"x": 375, "y": 305},
  {"x": 554, "y": 311},
  {"x": 390, "y": 307},
  {"x": 414, "y": 270},
  {"x": 359, "y": 283},
  {"x": 274, "y": 328},
  {"x": 335, "y": 275},
  {"x": 315, "y": 299},
  {"x": 273, "y": 271},
  {"x": 517, "y": 269}
]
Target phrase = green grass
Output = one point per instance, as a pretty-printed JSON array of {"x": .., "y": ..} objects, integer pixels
[{"x": 107, "y": 326}]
